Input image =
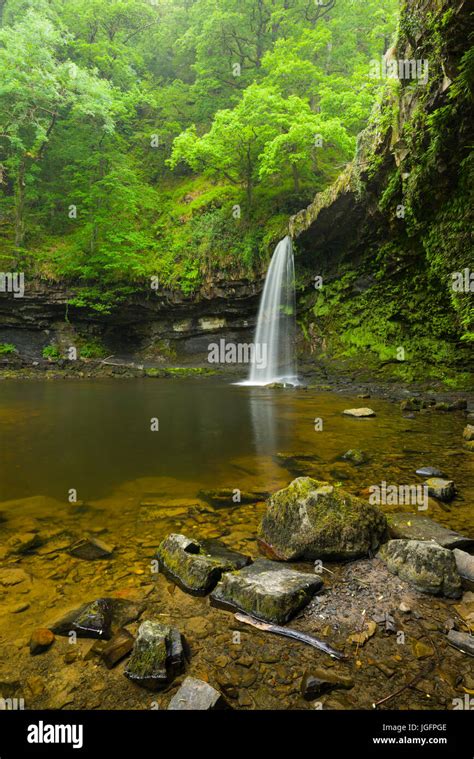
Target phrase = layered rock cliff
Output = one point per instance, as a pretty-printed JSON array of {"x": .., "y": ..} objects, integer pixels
[{"x": 391, "y": 239}]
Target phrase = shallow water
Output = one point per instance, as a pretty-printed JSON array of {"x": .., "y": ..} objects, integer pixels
[{"x": 134, "y": 486}]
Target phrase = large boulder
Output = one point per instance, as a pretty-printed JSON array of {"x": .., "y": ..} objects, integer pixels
[
  {"x": 266, "y": 590},
  {"x": 427, "y": 566},
  {"x": 315, "y": 520},
  {"x": 196, "y": 566}
]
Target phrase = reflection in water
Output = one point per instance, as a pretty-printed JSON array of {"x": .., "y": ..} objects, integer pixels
[{"x": 95, "y": 437}]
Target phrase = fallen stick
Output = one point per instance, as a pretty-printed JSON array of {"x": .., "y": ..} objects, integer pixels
[
  {"x": 410, "y": 684},
  {"x": 289, "y": 633}
]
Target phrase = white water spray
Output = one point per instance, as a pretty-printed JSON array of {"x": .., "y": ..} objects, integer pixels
[{"x": 276, "y": 330}]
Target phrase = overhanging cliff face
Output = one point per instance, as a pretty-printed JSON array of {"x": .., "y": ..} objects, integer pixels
[
  {"x": 398, "y": 217},
  {"x": 435, "y": 31}
]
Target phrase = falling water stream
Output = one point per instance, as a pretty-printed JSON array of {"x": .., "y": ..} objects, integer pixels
[{"x": 275, "y": 333}]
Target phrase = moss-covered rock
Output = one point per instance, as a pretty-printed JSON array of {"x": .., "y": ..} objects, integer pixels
[
  {"x": 157, "y": 656},
  {"x": 196, "y": 567},
  {"x": 314, "y": 520},
  {"x": 266, "y": 590},
  {"x": 442, "y": 489},
  {"x": 428, "y": 567},
  {"x": 355, "y": 456}
]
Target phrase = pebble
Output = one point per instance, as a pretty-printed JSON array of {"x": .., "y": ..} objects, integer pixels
[{"x": 41, "y": 640}]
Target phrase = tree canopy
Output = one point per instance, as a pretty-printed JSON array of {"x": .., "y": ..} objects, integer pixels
[{"x": 130, "y": 130}]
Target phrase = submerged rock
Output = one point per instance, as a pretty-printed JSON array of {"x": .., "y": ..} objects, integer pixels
[
  {"x": 231, "y": 497},
  {"x": 360, "y": 413},
  {"x": 463, "y": 641},
  {"x": 197, "y": 566},
  {"x": 320, "y": 681},
  {"x": 314, "y": 520},
  {"x": 355, "y": 456},
  {"x": 304, "y": 464},
  {"x": 157, "y": 656},
  {"x": 266, "y": 590},
  {"x": 41, "y": 640},
  {"x": 12, "y": 576},
  {"x": 91, "y": 549},
  {"x": 444, "y": 490},
  {"x": 196, "y": 695},
  {"x": 427, "y": 566},
  {"x": 429, "y": 471},
  {"x": 417, "y": 527},
  {"x": 23, "y": 543}
]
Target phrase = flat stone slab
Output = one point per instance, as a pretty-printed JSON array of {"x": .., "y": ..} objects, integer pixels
[
  {"x": 91, "y": 549},
  {"x": 266, "y": 590},
  {"x": 196, "y": 695},
  {"x": 157, "y": 656},
  {"x": 427, "y": 566},
  {"x": 463, "y": 641},
  {"x": 417, "y": 527},
  {"x": 197, "y": 566},
  {"x": 360, "y": 413}
]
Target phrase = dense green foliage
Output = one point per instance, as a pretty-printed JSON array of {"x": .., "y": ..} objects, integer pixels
[{"x": 172, "y": 138}]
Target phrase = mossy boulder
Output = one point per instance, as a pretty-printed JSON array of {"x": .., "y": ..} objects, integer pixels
[
  {"x": 311, "y": 519},
  {"x": 196, "y": 566},
  {"x": 266, "y": 590},
  {"x": 157, "y": 656},
  {"x": 427, "y": 566}
]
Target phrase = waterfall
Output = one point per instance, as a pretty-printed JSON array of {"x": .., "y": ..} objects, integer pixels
[{"x": 276, "y": 328}]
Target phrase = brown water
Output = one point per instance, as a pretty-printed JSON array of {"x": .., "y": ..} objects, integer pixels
[{"x": 135, "y": 485}]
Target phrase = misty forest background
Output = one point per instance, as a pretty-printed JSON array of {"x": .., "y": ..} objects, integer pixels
[{"x": 173, "y": 138}]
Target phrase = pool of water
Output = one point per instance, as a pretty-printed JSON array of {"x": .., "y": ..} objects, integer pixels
[{"x": 136, "y": 484}]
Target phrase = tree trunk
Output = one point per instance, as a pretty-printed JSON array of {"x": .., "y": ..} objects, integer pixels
[
  {"x": 296, "y": 178},
  {"x": 20, "y": 206}
]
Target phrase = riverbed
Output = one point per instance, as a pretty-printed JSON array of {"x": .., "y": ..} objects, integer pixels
[{"x": 130, "y": 461}]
